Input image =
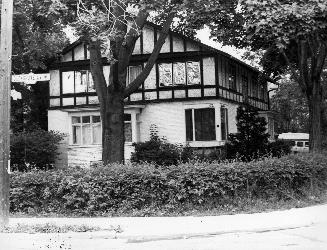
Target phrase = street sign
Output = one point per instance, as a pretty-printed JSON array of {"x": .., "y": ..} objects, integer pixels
[{"x": 30, "y": 78}]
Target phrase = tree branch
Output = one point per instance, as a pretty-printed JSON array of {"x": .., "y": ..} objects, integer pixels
[{"x": 152, "y": 59}]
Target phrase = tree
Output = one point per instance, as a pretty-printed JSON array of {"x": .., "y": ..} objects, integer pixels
[
  {"x": 251, "y": 140},
  {"x": 118, "y": 36},
  {"x": 293, "y": 34}
]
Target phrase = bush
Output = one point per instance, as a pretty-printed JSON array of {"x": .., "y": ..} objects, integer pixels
[
  {"x": 251, "y": 141},
  {"x": 34, "y": 149},
  {"x": 119, "y": 189},
  {"x": 279, "y": 148},
  {"x": 157, "y": 151}
]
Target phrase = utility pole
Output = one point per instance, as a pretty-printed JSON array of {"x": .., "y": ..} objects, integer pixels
[{"x": 5, "y": 88}]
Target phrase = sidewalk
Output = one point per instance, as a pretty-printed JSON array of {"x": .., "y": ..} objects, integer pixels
[{"x": 138, "y": 229}]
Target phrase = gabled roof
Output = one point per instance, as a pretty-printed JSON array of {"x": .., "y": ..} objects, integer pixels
[{"x": 200, "y": 44}]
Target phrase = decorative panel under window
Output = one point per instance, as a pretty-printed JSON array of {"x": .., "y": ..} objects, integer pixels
[
  {"x": 165, "y": 74},
  {"x": 179, "y": 74},
  {"x": 150, "y": 95},
  {"x": 193, "y": 73},
  {"x": 93, "y": 100}
]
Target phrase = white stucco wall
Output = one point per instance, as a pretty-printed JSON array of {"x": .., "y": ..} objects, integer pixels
[{"x": 170, "y": 120}]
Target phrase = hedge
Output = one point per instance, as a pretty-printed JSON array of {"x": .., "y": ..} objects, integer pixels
[{"x": 106, "y": 190}]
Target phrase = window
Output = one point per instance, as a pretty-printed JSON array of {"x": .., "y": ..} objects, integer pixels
[
  {"x": 77, "y": 82},
  {"x": 300, "y": 144},
  {"x": 133, "y": 72},
  {"x": 180, "y": 73},
  {"x": 86, "y": 130},
  {"x": 254, "y": 92},
  {"x": 224, "y": 123},
  {"x": 128, "y": 127},
  {"x": 245, "y": 85},
  {"x": 306, "y": 144},
  {"x": 200, "y": 124},
  {"x": 232, "y": 76}
]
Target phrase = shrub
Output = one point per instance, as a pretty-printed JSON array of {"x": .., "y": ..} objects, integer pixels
[
  {"x": 157, "y": 151},
  {"x": 279, "y": 148},
  {"x": 119, "y": 189},
  {"x": 251, "y": 141},
  {"x": 34, "y": 149}
]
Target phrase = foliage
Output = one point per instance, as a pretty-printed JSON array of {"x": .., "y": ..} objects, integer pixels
[
  {"x": 119, "y": 189},
  {"x": 157, "y": 151},
  {"x": 38, "y": 34},
  {"x": 35, "y": 149},
  {"x": 251, "y": 140},
  {"x": 293, "y": 35},
  {"x": 279, "y": 148}
]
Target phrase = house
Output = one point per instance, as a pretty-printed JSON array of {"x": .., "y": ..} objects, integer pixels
[{"x": 191, "y": 95}]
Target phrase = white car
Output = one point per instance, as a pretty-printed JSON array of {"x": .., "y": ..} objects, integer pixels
[{"x": 300, "y": 141}]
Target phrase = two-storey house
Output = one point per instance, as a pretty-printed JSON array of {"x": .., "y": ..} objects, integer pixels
[{"x": 191, "y": 95}]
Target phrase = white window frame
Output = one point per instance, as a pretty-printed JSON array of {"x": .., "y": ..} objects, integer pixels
[{"x": 92, "y": 125}]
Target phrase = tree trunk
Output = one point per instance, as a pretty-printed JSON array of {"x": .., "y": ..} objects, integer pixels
[
  {"x": 315, "y": 109},
  {"x": 113, "y": 128}
]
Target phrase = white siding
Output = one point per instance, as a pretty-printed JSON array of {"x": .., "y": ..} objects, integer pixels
[
  {"x": 57, "y": 121},
  {"x": 170, "y": 120},
  {"x": 148, "y": 40},
  {"x": 178, "y": 44}
]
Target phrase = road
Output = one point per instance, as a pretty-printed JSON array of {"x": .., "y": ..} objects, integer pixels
[
  {"x": 301, "y": 228},
  {"x": 308, "y": 237}
]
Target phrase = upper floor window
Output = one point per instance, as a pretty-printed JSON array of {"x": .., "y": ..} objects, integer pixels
[
  {"x": 200, "y": 124},
  {"x": 232, "y": 76},
  {"x": 245, "y": 85},
  {"x": 79, "y": 81},
  {"x": 179, "y": 73},
  {"x": 133, "y": 72}
]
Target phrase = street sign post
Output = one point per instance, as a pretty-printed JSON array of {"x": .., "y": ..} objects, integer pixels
[{"x": 5, "y": 80}]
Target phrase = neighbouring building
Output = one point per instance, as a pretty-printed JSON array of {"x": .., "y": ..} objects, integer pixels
[{"x": 191, "y": 95}]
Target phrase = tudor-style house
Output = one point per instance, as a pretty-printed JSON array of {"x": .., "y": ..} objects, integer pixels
[{"x": 191, "y": 95}]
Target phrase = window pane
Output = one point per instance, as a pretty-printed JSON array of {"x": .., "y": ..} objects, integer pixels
[
  {"x": 165, "y": 74},
  {"x": 86, "y": 119},
  {"x": 90, "y": 83},
  {"x": 179, "y": 74},
  {"x": 134, "y": 71},
  {"x": 128, "y": 131},
  {"x": 189, "y": 125},
  {"x": 205, "y": 129},
  {"x": 193, "y": 73},
  {"x": 299, "y": 144},
  {"x": 127, "y": 117},
  {"x": 232, "y": 77},
  {"x": 80, "y": 81},
  {"x": 77, "y": 135},
  {"x": 76, "y": 119},
  {"x": 86, "y": 132},
  {"x": 224, "y": 123},
  {"x": 97, "y": 134},
  {"x": 68, "y": 82},
  {"x": 96, "y": 119},
  {"x": 307, "y": 144}
]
